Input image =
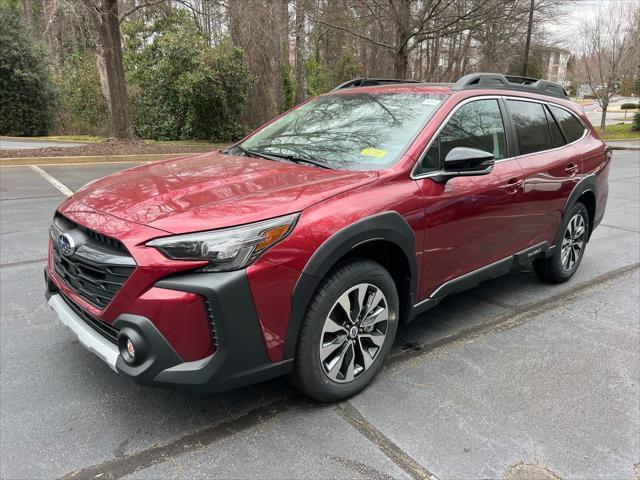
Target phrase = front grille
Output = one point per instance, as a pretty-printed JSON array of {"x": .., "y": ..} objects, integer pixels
[
  {"x": 105, "y": 329},
  {"x": 96, "y": 283},
  {"x": 97, "y": 269},
  {"x": 98, "y": 237}
]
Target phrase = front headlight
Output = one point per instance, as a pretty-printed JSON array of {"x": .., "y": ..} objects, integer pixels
[{"x": 227, "y": 248}]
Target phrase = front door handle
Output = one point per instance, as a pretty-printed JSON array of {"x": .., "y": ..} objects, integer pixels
[
  {"x": 512, "y": 186},
  {"x": 571, "y": 169}
]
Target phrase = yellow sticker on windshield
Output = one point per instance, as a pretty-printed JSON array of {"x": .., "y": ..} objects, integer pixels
[{"x": 373, "y": 152}]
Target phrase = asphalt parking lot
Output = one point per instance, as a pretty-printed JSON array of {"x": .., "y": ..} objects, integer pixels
[{"x": 512, "y": 377}]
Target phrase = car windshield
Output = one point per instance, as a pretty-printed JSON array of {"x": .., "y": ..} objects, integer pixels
[{"x": 359, "y": 131}]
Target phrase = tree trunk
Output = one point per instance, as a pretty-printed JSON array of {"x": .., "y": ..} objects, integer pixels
[
  {"x": 282, "y": 51},
  {"x": 603, "y": 119},
  {"x": 527, "y": 45},
  {"x": 111, "y": 48},
  {"x": 401, "y": 54},
  {"x": 301, "y": 74},
  {"x": 101, "y": 67}
]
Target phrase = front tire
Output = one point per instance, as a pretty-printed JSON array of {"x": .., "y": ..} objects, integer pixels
[
  {"x": 348, "y": 331},
  {"x": 569, "y": 250}
]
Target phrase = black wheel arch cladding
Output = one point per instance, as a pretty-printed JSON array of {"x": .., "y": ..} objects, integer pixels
[
  {"x": 587, "y": 185},
  {"x": 388, "y": 226}
]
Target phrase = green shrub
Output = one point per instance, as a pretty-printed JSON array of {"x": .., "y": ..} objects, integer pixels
[
  {"x": 82, "y": 107},
  {"x": 27, "y": 96},
  {"x": 636, "y": 122},
  {"x": 629, "y": 106},
  {"x": 181, "y": 87}
]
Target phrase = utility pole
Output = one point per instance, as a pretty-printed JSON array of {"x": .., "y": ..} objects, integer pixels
[{"x": 525, "y": 64}]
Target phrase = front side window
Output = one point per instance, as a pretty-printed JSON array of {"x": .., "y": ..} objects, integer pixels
[
  {"x": 352, "y": 131},
  {"x": 477, "y": 124},
  {"x": 571, "y": 126},
  {"x": 532, "y": 129}
]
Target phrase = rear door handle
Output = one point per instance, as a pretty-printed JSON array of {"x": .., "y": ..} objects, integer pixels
[
  {"x": 572, "y": 169},
  {"x": 512, "y": 186}
]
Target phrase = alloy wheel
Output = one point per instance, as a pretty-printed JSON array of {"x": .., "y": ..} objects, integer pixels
[
  {"x": 573, "y": 242},
  {"x": 354, "y": 332}
]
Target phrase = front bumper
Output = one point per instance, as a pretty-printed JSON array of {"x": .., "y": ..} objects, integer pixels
[
  {"x": 87, "y": 336},
  {"x": 240, "y": 357}
]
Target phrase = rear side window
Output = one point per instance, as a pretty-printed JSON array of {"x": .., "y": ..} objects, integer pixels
[
  {"x": 477, "y": 124},
  {"x": 531, "y": 126},
  {"x": 571, "y": 126}
]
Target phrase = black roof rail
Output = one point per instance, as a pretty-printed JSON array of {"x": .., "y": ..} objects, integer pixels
[
  {"x": 510, "y": 82},
  {"x": 368, "y": 82}
]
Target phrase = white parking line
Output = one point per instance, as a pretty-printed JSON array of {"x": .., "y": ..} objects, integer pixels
[{"x": 59, "y": 185}]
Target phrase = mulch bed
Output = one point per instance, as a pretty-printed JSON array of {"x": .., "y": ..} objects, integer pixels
[{"x": 108, "y": 147}]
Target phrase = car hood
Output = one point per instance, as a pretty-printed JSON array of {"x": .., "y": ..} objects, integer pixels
[{"x": 214, "y": 191}]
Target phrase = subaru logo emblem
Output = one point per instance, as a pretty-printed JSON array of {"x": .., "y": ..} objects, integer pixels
[{"x": 66, "y": 244}]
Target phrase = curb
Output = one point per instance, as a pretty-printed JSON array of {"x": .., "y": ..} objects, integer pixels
[
  {"x": 637, "y": 149},
  {"x": 147, "y": 157}
]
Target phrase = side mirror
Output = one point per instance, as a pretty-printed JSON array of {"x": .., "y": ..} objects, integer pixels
[{"x": 464, "y": 161}]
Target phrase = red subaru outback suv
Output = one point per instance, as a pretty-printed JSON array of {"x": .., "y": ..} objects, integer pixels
[{"x": 301, "y": 249}]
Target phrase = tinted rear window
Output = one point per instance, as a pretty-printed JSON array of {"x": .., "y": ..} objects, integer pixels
[
  {"x": 531, "y": 126},
  {"x": 571, "y": 126}
]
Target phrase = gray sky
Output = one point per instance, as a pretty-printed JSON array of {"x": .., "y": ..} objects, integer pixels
[{"x": 574, "y": 13}]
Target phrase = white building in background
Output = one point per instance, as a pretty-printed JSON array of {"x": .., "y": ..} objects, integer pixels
[{"x": 557, "y": 66}]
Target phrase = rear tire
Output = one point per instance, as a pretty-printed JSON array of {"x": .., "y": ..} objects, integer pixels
[
  {"x": 347, "y": 332},
  {"x": 569, "y": 250}
]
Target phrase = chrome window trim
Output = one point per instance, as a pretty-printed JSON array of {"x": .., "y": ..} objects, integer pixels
[{"x": 434, "y": 173}]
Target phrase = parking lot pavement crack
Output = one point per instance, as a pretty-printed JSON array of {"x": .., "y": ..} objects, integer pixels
[
  {"x": 359, "y": 467},
  {"x": 28, "y": 198},
  {"x": 398, "y": 456},
  {"x": 23, "y": 262},
  {"x": 625, "y": 229},
  {"x": 129, "y": 464}
]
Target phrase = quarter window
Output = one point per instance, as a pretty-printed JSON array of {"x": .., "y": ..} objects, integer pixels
[
  {"x": 531, "y": 126},
  {"x": 571, "y": 126},
  {"x": 477, "y": 124},
  {"x": 556, "y": 133}
]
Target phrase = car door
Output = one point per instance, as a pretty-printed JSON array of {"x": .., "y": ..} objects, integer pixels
[
  {"x": 469, "y": 220},
  {"x": 551, "y": 170}
]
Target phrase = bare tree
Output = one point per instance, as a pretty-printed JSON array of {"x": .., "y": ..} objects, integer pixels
[
  {"x": 417, "y": 21},
  {"x": 607, "y": 41},
  {"x": 301, "y": 75}
]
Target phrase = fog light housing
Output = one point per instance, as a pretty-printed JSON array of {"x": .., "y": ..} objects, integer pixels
[
  {"x": 132, "y": 346},
  {"x": 130, "y": 349}
]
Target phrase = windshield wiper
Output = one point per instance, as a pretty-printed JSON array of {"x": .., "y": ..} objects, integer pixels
[
  {"x": 253, "y": 153},
  {"x": 279, "y": 157},
  {"x": 295, "y": 159}
]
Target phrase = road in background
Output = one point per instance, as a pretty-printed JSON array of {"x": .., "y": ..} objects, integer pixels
[
  {"x": 22, "y": 143},
  {"x": 514, "y": 371},
  {"x": 594, "y": 112}
]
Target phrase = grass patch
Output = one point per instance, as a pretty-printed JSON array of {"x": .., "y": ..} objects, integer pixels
[{"x": 619, "y": 131}]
